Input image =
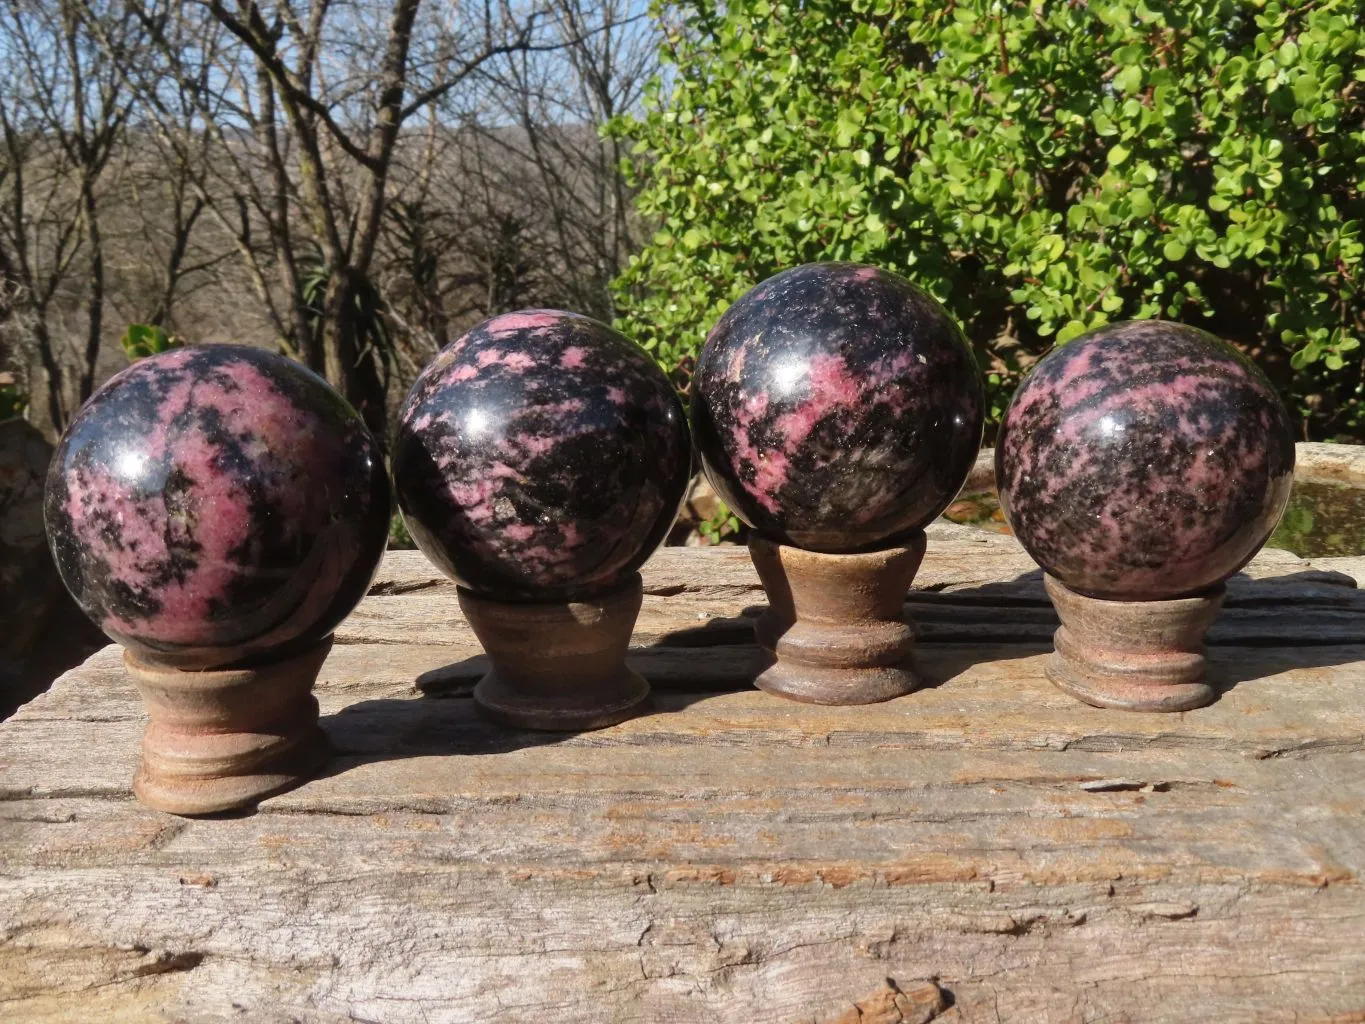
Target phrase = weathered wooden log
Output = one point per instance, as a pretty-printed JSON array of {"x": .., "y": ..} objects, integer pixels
[{"x": 731, "y": 856}]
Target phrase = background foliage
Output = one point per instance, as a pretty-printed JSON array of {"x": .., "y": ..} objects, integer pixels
[
  {"x": 142, "y": 340},
  {"x": 353, "y": 183},
  {"x": 1042, "y": 168}
]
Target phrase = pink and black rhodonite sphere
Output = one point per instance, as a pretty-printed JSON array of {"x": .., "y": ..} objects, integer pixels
[
  {"x": 1144, "y": 461},
  {"x": 217, "y": 505},
  {"x": 837, "y": 408},
  {"x": 540, "y": 457}
]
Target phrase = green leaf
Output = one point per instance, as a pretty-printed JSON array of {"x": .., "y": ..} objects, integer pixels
[
  {"x": 1129, "y": 80},
  {"x": 845, "y": 129},
  {"x": 1069, "y": 330},
  {"x": 1174, "y": 250},
  {"x": 142, "y": 340},
  {"x": 1104, "y": 124},
  {"x": 1050, "y": 247}
]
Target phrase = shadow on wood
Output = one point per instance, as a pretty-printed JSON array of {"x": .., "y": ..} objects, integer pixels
[
  {"x": 717, "y": 656},
  {"x": 962, "y": 626},
  {"x": 1308, "y": 619},
  {"x": 1304, "y": 619},
  {"x": 391, "y": 730}
]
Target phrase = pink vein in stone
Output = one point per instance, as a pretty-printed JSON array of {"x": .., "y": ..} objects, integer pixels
[
  {"x": 735, "y": 370},
  {"x": 530, "y": 320},
  {"x": 142, "y": 526},
  {"x": 573, "y": 357},
  {"x": 283, "y": 439},
  {"x": 569, "y": 405},
  {"x": 832, "y": 391},
  {"x": 535, "y": 444},
  {"x": 272, "y": 433},
  {"x": 832, "y": 388},
  {"x": 770, "y": 467},
  {"x": 561, "y": 541},
  {"x": 514, "y": 361},
  {"x": 894, "y": 377},
  {"x": 1175, "y": 393},
  {"x": 475, "y": 498}
]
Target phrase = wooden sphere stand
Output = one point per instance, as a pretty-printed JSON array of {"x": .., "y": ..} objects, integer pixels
[
  {"x": 835, "y": 631},
  {"x": 222, "y": 739},
  {"x": 1132, "y": 655},
  {"x": 558, "y": 666}
]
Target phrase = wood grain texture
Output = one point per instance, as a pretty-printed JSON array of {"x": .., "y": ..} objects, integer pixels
[
  {"x": 1330, "y": 463},
  {"x": 731, "y": 857}
]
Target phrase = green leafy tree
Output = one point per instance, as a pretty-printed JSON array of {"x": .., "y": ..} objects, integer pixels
[
  {"x": 142, "y": 340},
  {"x": 1042, "y": 168}
]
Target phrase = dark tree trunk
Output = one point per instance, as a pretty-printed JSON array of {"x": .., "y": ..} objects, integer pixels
[
  {"x": 95, "y": 318},
  {"x": 56, "y": 402},
  {"x": 352, "y": 365}
]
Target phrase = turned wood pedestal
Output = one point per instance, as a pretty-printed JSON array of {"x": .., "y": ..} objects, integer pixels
[
  {"x": 836, "y": 627},
  {"x": 219, "y": 740},
  {"x": 558, "y": 666},
  {"x": 1132, "y": 655}
]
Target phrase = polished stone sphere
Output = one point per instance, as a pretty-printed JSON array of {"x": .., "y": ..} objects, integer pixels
[
  {"x": 217, "y": 505},
  {"x": 1144, "y": 461},
  {"x": 837, "y": 408},
  {"x": 541, "y": 457}
]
